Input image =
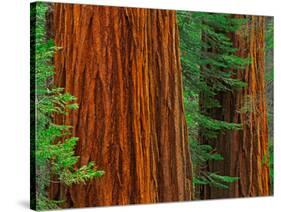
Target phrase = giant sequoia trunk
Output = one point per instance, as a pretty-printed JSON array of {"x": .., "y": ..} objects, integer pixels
[
  {"x": 123, "y": 65},
  {"x": 244, "y": 151}
]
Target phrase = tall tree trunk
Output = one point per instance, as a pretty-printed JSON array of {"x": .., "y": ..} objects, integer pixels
[
  {"x": 123, "y": 65},
  {"x": 244, "y": 151}
]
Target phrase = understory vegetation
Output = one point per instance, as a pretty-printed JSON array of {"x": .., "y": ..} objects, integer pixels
[
  {"x": 55, "y": 157},
  {"x": 209, "y": 62}
]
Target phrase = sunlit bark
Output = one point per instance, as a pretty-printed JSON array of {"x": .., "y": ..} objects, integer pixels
[{"x": 123, "y": 65}]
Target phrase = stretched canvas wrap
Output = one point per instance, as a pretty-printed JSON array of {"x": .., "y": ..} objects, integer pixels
[{"x": 138, "y": 106}]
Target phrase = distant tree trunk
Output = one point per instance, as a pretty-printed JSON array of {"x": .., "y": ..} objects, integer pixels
[
  {"x": 123, "y": 65},
  {"x": 244, "y": 151}
]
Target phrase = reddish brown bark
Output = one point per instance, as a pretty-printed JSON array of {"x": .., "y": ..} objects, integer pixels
[
  {"x": 123, "y": 65},
  {"x": 244, "y": 151}
]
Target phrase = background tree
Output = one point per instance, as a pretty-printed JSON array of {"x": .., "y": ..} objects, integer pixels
[
  {"x": 209, "y": 63},
  {"x": 245, "y": 151},
  {"x": 123, "y": 65}
]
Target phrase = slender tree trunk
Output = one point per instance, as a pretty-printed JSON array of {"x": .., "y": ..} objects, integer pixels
[
  {"x": 123, "y": 65},
  {"x": 244, "y": 151}
]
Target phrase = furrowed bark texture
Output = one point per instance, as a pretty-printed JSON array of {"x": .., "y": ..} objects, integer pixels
[
  {"x": 123, "y": 65},
  {"x": 244, "y": 151}
]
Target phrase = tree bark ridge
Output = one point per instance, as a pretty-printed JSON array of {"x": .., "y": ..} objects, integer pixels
[{"x": 123, "y": 65}]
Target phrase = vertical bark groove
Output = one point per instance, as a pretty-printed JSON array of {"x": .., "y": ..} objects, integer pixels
[{"x": 123, "y": 65}]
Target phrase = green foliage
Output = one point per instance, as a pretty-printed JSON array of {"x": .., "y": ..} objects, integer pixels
[
  {"x": 81, "y": 175},
  {"x": 269, "y": 42},
  {"x": 43, "y": 203},
  {"x": 214, "y": 180},
  {"x": 55, "y": 147},
  {"x": 201, "y": 153},
  {"x": 207, "y": 52},
  {"x": 269, "y": 76},
  {"x": 209, "y": 67}
]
